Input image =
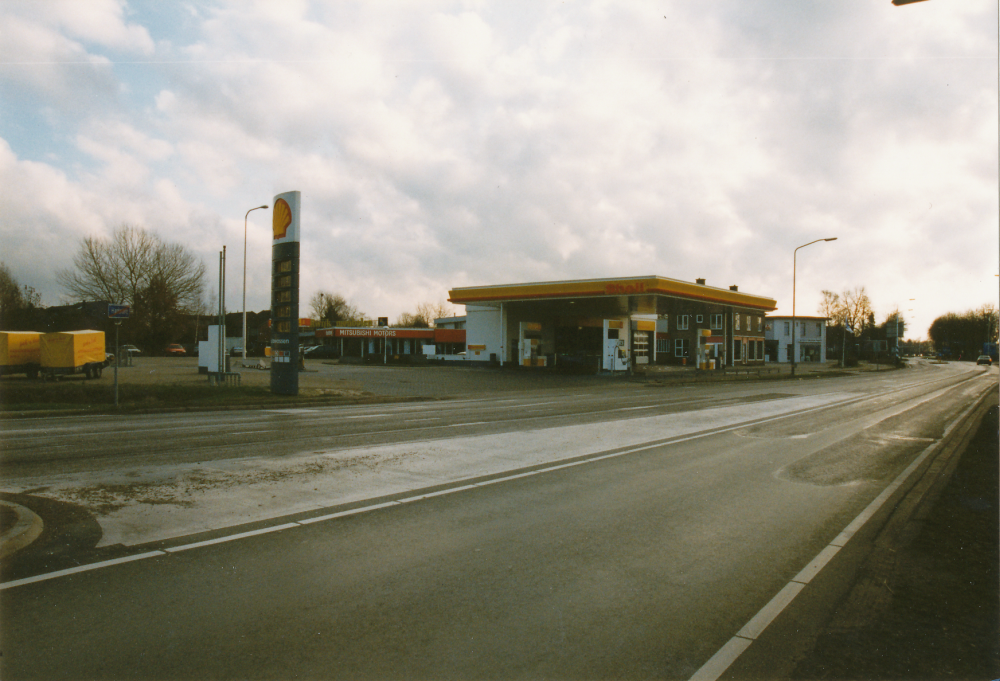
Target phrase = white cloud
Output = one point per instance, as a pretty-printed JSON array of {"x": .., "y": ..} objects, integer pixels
[{"x": 448, "y": 144}]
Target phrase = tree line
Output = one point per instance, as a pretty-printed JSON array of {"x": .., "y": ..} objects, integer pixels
[
  {"x": 962, "y": 335},
  {"x": 165, "y": 286},
  {"x": 331, "y": 309}
]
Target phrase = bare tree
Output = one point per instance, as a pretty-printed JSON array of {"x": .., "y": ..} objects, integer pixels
[
  {"x": 856, "y": 309},
  {"x": 832, "y": 308},
  {"x": 119, "y": 269},
  {"x": 425, "y": 315},
  {"x": 330, "y": 308},
  {"x": 135, "y": 267}
]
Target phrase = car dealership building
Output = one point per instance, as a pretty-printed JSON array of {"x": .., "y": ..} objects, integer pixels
[{"x": 612, "y": 324}]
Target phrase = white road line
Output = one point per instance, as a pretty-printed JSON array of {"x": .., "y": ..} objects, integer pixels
[
  {"x": 231, "y": 537},
  {"x": 81, "y": 568},
  {"x": 367, "y": 416},
  {"x": 353, "y": 511},
  {"x": 471, "y": 423},
  {"x": 756, "y": 626},
  {"x": 253, "y": 432},
  {"x": 720, "y": 662}
]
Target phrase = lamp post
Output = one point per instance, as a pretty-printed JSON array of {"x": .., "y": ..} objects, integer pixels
[
  {"x": 245, "y": 280},
  {"x": 794, "y": 255}
]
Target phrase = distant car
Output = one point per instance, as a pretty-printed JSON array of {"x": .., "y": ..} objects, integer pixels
[
  {"x": 985, "y": 359},
  {"x": 321, "y": 352},
  {"x": 236, "y": 351},
  {"x": 130, "y": 350},
  {"x": 176, "y": 349}
]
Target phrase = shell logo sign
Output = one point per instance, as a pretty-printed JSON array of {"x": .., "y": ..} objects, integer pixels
[
  {"x": 282, "y": 219},
  {"x": 285, "y": 219}
]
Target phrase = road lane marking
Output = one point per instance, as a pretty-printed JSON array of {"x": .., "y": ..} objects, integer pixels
[
  {"x": 231, "y": 537},
  {"x": 353, "y": 511},
  {"x": 721, "y": 661},
  {"x": 756, "y": 626},
  {"x": 81, "y": 568}
]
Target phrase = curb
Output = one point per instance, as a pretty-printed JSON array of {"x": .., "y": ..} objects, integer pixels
[{"x": 25, "y": 530}]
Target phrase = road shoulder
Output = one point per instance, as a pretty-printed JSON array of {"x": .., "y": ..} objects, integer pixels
[{"x": 915, "y": 596}]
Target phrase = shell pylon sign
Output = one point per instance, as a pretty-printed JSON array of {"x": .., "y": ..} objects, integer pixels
[{"x": 285, "y": 294}]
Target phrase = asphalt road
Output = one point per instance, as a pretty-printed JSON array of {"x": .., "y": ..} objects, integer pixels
[{"x": 610, "y": 532}]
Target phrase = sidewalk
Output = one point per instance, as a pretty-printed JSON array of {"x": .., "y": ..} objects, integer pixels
[{"x": 768, "y": 370}]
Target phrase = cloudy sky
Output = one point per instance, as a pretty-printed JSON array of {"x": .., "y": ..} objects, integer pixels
[{"x": 444, "y": 144}]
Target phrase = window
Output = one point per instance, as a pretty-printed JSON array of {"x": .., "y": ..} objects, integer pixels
[
  {"x": 717, "y": 321},
  {"x": 760, "y": 349},
  {"x": 680, "y": 347},
  {"x": 682, "y": 322},
  {"x": 662, "y": 346},
  {"x": 803, "y": 329},
  {"x": 819, "y": 329},
  {"x": 760, "y": 324},
  {"x": 737, "y": 317},
  {"x": 737, "y": 350},
  {"x": 788, "y": 328},
  {"x": 699, "y": 319},
  {"x": 749, "y": 325}
]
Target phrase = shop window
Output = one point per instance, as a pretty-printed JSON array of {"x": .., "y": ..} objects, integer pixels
[
  {"x": 682, "y": 322},
  {"x": 738, "y": 350},
  {"x": 680, "y": 347},
  {"x": 717, "y": 321},
  {"x": 760, "y": 349}
]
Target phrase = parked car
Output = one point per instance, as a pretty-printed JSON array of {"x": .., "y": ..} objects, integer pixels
[
  {"x": 321, "y": 352},
  {"x": 176, "y": 349},
  {"x": 985, "y": 359},
  {"x": 130, "y": 350}
]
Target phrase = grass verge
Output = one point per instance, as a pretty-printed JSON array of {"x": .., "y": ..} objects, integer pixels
[{"x": 26, "y": 398}]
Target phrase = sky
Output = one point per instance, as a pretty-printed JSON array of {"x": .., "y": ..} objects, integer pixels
[{"x": 447, "y": 144}]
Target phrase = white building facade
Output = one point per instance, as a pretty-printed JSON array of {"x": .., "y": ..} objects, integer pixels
[{"x": 810, "y": 339}]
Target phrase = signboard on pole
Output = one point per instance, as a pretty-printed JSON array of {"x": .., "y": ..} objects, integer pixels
[
  {"x": 118, "y": 311},
  {"x": 285, "y": 294}
]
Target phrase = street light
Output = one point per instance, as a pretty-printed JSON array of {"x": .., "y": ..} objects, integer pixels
[
  {"x": 794, "y": 254},
  {"x": 245, "y": 279}
]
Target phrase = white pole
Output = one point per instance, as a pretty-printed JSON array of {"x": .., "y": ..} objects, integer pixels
[{"x": 245, "y": 281}]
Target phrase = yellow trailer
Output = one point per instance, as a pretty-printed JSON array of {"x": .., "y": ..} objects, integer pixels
[
  {"x": 72, "y": 352},
  {"x": 20, "y": 353}
]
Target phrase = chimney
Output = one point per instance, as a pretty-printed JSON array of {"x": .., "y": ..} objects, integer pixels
[
  {"x": 700, "y": 281},
  {"x": 734, "y": 287}
]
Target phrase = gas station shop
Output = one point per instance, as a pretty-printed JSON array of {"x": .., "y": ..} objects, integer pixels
[{"x": 612, "y": 324}]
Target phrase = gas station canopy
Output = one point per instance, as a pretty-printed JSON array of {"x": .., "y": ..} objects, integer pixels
[{"x": 648, "y": 295}]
